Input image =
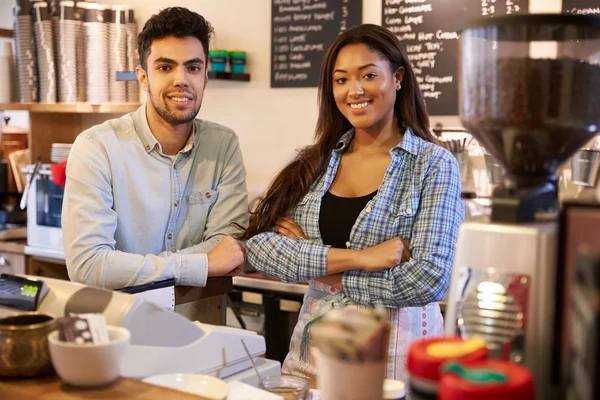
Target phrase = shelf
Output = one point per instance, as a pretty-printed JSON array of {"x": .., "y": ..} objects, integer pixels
[
  {"x": 229, "y": 76},
  {"x": 76, "y": 108}
]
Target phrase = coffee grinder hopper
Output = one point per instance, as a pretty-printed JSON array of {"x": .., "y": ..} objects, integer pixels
[{"x": 530, "y": 94}]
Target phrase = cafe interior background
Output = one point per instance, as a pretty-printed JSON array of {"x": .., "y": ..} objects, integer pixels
[{"x": 271, "y": 123}]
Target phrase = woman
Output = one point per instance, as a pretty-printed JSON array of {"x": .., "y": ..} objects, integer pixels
[{"x": 369, "y": 214}]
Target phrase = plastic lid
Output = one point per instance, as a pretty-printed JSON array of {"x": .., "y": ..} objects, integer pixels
[
  {"x": 393, "y": 389},
  {"x": 477, "y": 380},
  {"x": 426, "y": 365}
]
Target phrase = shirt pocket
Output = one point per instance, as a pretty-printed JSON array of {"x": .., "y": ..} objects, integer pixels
[
  {"x": 403, "y": 214},
  {"x": 199, "y": 206}
]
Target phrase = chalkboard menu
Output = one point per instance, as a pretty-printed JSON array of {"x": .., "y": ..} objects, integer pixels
[
  {"x": 428, "y": 30},
  {"x": 301, "y": 33},
  {"x": 581, "y": 6}
]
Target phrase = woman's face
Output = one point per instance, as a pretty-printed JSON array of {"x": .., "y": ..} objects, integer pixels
[{"x": 364, "y": 87}]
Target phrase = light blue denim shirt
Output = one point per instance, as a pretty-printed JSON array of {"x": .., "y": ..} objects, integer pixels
[{"x": 132, "y": 215}]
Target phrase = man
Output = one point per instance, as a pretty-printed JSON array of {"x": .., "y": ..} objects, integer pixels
[{"x": 158, "y": 194}]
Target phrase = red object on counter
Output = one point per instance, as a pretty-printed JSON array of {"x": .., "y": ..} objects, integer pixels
[
  {"x": 518, "y": 384},
  {"x": 59, "y": 173},
  {"x": 422, "y": 365}
]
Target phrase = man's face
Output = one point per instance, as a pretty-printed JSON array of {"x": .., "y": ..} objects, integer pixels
[{"x": 175, "y": 78}]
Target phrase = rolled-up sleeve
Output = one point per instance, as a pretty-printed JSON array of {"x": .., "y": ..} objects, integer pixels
[
  {"x": 426, "y": 276},
  {"x": 291, "y": 260}
]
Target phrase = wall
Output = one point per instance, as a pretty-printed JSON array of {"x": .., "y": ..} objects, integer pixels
[{"x": 271, "y": 123}]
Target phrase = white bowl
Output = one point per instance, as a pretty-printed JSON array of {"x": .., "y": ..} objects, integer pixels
[
  {"x": 202, "y": 385},
  {"x": 89, "y": 364}
]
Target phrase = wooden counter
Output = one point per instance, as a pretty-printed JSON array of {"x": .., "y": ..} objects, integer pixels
[
  {"x": 52, "y": 388},
  {"x": 13, "y": 246}
]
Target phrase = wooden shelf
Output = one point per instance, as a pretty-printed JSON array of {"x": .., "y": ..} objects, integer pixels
[
  {"x": 75, "y": 108},
  {"x": 229, "y": 76}
]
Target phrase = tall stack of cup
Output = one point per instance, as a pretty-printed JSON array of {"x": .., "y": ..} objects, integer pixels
[
  {"x": 117, "y": 60},
  {"x": 133, "y": 89},
  {"x": 80, "y": 51},
  {"x": 96, "y": 53},
  {"x": 66, "y": 53},
  {"x": 42, "y": 27},
  {"x": 25, "y": 52}
]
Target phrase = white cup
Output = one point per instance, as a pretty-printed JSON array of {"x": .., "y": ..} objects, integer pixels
[
  {"x": 343, "y": 380},
  {"x": 89, "y": 365}
]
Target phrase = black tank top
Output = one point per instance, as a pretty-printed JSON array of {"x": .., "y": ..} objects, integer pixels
[{"x": 337, "y": 217}]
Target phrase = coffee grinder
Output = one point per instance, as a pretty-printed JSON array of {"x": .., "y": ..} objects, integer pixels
[
  {"x": 528, "y": 93},
  {"x": 585, "y": 168}
]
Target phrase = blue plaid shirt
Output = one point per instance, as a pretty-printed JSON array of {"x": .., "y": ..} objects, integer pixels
[{"x": 419, "y": 200}]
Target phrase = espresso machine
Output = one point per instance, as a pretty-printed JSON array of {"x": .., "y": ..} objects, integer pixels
[{"x": 528, "y": 94}]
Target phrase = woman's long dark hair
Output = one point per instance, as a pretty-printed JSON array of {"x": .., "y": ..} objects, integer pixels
[{"x": 295, "y": 179}]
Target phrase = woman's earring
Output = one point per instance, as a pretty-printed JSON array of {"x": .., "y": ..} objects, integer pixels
[{"x": 399, "y": 86}]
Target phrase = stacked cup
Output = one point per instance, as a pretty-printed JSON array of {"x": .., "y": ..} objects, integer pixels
[
  {"x": 117, "y": 39},
  {"x": 66, "y": 52},
  {"x": 25, "y": 52},
  {"x": 96, "y": 46},
  {"x": 45, "y": 52},
  {"x": 133, "y": 89}
]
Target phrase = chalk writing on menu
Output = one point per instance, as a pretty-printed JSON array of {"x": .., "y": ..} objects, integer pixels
[
  {"x": 301, "y": 33},
  {"x": 584, "y": 7},
  {"x": 429, "y": 31}
]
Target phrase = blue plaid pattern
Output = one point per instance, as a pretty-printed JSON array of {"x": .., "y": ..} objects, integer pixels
[{"x": 419, "y": 200}]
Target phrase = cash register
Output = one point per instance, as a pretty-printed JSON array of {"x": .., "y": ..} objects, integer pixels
[{"x": 162, "y": 341}]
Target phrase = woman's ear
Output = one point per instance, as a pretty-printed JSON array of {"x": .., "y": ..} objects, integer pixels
[{"x": 398, "y": 76}]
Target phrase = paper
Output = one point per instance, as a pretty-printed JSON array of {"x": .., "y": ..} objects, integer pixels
[{"x": 163, "y": 297}]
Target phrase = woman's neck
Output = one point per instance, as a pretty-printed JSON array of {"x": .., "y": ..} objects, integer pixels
[{"x": 377, "y": 139}]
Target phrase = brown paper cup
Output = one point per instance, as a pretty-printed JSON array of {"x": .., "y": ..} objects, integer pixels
[{"x": 339, "y": 379}]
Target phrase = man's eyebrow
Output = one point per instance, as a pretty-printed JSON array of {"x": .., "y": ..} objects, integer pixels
[
  {"x": 196, "y": 60},
  {"x": 165, "y": 60}
]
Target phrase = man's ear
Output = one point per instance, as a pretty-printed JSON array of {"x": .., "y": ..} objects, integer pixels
[{"x": 142, "y": 77}]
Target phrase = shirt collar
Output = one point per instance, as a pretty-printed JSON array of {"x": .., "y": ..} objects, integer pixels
[
  {"x": 147, "y": 137},
  {"x": 409, "y": 143}
]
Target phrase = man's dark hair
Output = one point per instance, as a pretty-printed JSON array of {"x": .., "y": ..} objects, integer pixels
[{"x": 173, "y": 21}]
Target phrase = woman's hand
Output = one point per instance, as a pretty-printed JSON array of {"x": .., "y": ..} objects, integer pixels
[
  {"x": 385, "y": 255},
  {"x": 289, "y": 228}
]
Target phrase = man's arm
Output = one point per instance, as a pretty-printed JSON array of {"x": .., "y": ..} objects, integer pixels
[
  {"x": 229, "y": 215},
  {"x": 89, "y": 224}
]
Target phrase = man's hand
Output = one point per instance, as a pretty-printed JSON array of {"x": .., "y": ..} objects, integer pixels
[
  {"x": 226, "y": 258},
  {"x": 385, "y": 255},
  {"x": 289, "y": 228}
]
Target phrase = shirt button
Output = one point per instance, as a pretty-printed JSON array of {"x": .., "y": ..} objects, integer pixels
[
  {"x": 169, "y": 236},
  {"x": 347, "y": 244},
  {"x": 207, "y": 195},
  {"x": 409, "y": 210},
  {"x": 176, "y": 204},
  {"x": 147, "y": 147},
  {"x": 369, "y": 209}
]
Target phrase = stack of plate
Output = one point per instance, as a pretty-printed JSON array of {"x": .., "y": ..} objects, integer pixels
[
  {"x": 25, "y": 52},
  {"x": 95, "y": 40},
  {"x": 60, "y": 152},
  {"x": 133, "y": 89},
  {"x": 117, "y": 61},
  {"x": 67, "y": 29},
  {"x": 42, "y": 27}
]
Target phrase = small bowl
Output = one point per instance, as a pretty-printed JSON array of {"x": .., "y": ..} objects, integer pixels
[
  {"x": 24, "y": 345},
  {"x": 288, "y": 387},
  {"x": 89, "y": 365}
]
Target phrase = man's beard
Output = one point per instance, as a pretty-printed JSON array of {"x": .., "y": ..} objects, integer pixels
[{"x": 172, "y": 117}]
